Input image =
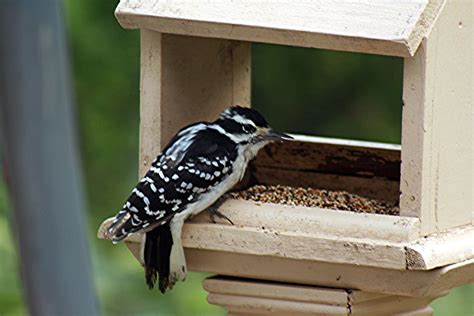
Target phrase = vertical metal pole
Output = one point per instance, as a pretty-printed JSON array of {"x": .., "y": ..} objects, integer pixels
[{"x": 42, "y": 159}]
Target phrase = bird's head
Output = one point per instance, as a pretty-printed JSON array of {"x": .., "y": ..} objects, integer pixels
[{"x": 248, "y": 128}]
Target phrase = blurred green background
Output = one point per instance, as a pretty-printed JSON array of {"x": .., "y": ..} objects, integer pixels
[{"x": 300, "y": 90}]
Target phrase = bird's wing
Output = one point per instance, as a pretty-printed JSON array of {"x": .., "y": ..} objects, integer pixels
[{"x": 169, "y": 187}]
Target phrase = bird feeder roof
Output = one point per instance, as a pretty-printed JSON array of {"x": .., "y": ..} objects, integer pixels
[{"x": 393, "y": 28}]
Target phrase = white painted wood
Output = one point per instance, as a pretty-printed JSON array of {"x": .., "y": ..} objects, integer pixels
[
  {"x": 301, "y": 245},
  {"x": 303, "y": 293},
  {"x": 318, "y": 222},
  {"x": 255, "y": 241},
  {"x": 302, "y": 233},
  {"x": 441, "y": 249},
  {"x": 151, "y": 140},
  {"x": 430, "y": 283},
  {"x": 371, "y": 26},
  {"x": 437, "y": 139},
  {"x": 255, "y": 297},
  {"x": 379, "y": 280},
  {"x": 346, "y": 142},
  {"x": 249, "y": 297}
]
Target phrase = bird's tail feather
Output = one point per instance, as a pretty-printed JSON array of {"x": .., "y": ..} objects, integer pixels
[
  {"x": 121, "y": 226},
  {"x": 156, "y": 256}
]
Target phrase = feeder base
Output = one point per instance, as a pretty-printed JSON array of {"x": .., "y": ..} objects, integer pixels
[{"x": 254, "y": 297}]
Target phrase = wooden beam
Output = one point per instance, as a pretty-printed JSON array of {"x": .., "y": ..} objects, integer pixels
[
  {"x": 315, "y": 234},
  {"x": 377, "y": 27},
  {"x": 281, "y": 268},
  {"x": 371, "y": 279},
  {"x": 302, "y": 233}
]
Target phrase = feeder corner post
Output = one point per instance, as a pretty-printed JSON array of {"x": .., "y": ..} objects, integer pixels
[{"x": 437, "y": 135}]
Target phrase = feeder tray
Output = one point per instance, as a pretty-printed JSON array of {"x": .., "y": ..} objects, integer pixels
[{"x": 293, "y": 205}]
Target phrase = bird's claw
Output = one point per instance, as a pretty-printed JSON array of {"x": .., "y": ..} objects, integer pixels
[
  {"x": 214, "y": 209},
  {"x": 213, "y": 212}
]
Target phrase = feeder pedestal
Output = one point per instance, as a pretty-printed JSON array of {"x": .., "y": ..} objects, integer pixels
[{"x": 247, "y": 297}]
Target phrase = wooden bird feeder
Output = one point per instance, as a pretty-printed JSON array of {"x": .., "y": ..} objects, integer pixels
[{"x": 280, "y": 259}]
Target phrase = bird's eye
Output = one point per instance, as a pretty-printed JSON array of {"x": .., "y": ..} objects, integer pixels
[{"x": 246, "y": 129}]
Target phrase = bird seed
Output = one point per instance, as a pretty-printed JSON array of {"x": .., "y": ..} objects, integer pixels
[{"x": 310, "y": 197}]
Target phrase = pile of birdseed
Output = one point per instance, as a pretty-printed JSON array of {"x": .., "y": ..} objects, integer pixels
[{"x": 336, "y": 200}]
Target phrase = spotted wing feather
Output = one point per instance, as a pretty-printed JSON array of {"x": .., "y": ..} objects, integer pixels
[{"x": 177, "y": 179}]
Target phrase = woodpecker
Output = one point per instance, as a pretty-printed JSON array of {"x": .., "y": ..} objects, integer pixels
[{"x": 193, "y": 172}]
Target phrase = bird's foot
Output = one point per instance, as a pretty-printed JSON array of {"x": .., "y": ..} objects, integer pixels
[
  {"x": 176, "y": 275},
  {"x": 214, "y": 210},
  {"x": 215, "y": 213}
]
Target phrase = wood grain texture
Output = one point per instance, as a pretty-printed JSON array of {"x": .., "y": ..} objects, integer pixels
[
  {"x": 341, "y": 157},
  {"x": 437, "y": 129},
  {"x": 371, "y": 26}
]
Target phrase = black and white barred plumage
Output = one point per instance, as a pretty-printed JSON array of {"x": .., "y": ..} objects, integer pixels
[{"x": 200, "y": 164}]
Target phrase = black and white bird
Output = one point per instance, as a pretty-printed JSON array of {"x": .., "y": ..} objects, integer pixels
[{"x": 193, "y": 172}]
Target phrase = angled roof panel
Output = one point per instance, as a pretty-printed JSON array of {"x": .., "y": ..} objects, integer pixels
[{"x": 371, "y": 26}]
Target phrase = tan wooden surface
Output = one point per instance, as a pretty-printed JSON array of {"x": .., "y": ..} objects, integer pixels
[
  {"x": 437, "y": 135},
  {"x": 295, "y": 245},
  {"x": 184, "y": 80},
  {"x": 415, "y": 283},
  {"x": 317, "y": 221},
  {"x": 249, "y": 297},
  {"x": 409, "y": 283},
  {"x": 372, "y": 26},
  {"x": 324, "y": 235},
  {"x": 441, "y": 249}
]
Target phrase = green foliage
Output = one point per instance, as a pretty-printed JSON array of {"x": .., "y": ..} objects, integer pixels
[
  {"x": 11, "y": 301},
  {"x": 459, "y": 302},
  {"x": 300, "y": 90},
  {"x": 328, "y": 93}
]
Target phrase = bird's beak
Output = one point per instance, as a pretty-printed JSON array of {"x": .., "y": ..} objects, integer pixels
[{"x": 276, "y": 136}]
